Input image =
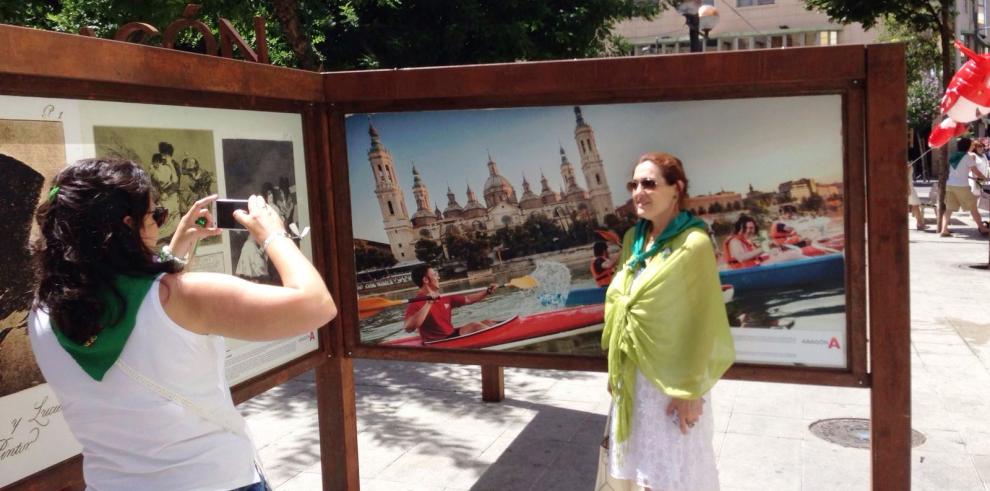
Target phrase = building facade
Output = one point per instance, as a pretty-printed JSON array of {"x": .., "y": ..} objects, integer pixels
[
  {"x": 501, "y": 206},
  {"x": 744, "y": 24}
]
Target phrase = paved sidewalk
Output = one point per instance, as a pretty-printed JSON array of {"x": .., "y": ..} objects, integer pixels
[{"x": 423, "y": 427}]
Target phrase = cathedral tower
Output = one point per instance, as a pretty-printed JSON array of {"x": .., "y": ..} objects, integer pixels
[
  {"x": 390, "y": 199},
  {"x": 424, "y": 215},
  {"x": 591, "y": 165}
]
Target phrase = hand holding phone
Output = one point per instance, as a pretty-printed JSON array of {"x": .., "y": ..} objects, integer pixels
[{"x": 224, "y": 214}]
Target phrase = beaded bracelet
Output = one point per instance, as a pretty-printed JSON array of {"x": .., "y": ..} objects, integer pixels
[{"x": 272, "y": 237}]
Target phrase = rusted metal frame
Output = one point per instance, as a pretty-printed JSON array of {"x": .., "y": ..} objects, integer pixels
[
  {"x": 33, "y": 52},
  {"x": 889, "y": 313},
  {"x": 335, "y": 379},
  {"x": 854, "y": 197}
]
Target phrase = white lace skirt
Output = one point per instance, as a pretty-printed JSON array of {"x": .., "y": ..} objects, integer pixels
[{"x": 656, "y": 455}]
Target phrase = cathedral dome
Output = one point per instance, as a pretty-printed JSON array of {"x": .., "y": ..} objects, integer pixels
[{"x": 497, "y": 188}]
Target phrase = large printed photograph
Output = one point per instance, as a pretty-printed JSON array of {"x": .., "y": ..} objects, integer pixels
[
  {"x": 511, "y": 218},
  {"x": 180, "y": 162},
  {"x": 31, "y": 152}
]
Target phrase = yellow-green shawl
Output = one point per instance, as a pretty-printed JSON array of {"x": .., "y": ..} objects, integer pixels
[{"x": 670, "y": 324}]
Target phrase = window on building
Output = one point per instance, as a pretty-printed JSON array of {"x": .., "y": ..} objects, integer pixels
[
  {"x": 391, "y": 211},
  {"x": 598, "y": 179},
  {"x": 750, "y": 3},
  {"x": 828, "y": 38}
]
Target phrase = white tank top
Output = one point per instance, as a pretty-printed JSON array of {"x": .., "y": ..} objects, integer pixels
[{"x": 133, "y": 438}]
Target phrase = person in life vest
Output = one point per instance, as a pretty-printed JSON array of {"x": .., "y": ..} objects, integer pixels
[
  {"x": 433, "y": 314},
  {"x": 782, "y": 234},
  {"x": 602, "y": 268},
  {"x": 738, "y": 249}
]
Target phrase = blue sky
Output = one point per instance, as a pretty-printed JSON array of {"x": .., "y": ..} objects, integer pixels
[{"x": 724, "y": 144}]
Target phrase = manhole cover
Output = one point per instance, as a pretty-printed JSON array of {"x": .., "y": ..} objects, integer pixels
[{"x": 852, "y": 432}]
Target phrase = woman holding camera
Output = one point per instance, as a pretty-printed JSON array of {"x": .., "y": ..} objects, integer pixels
[{"x": 133, "y": 347}]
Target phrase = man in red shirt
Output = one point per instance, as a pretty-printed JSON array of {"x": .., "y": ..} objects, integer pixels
[{"x": 433, "y": 317}]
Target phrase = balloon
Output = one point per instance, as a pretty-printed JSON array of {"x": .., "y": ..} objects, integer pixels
[{"x": 966, "y": 99}]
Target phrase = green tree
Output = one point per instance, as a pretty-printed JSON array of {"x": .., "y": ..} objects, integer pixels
[
  {"x": 428, "y": 251},
  {"x": 936, "y": 17},
  {"x": 369, "y": 258},
  {"x": 360, "y": 34}
]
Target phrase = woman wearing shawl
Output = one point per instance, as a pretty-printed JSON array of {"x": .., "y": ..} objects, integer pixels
[
  {"x": 132, "y": 346},
  {"x": 667, "y": 338}
]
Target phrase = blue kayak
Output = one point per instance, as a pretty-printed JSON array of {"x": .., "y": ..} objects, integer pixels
[{"x": 821, "y": 270}]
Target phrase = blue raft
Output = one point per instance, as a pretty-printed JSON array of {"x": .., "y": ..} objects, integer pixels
[{"x": 821, "y": 270}]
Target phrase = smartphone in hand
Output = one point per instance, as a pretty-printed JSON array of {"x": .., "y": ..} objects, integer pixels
[{"x": 224, "y": 212}]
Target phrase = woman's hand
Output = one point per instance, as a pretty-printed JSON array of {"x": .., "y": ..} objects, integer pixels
[
  {"x": 188, "y": 232},
  {"x": 686, "y": 411},
  {"x": 261, "y": 219}
]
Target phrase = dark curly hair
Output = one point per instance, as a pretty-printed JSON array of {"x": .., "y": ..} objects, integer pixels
[
  {"x": 740, "y": 225},
  {"x": 85, "y": 244}
]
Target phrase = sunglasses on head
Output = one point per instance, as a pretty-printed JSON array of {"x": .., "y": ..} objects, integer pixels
[
  {"x": 647, "y": 184},
  {"x": 159, "y": 214}
]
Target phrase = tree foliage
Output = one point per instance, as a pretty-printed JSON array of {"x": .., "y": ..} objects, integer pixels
[{"x": 360, "y": 34}]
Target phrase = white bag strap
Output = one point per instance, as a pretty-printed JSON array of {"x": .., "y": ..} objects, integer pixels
[{"x": 228, "y": 420}]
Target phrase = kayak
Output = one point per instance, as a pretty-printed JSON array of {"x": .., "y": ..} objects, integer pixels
[
  {"x": 588, "y": 296},
  {"x": 516, "y": 328},
  {"x": 820, "y": 270}
]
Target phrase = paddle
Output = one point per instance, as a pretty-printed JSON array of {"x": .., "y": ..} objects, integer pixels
[{"x": 369, "y": 306}]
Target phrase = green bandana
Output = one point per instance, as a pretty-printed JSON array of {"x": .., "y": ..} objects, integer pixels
[
  {"x": 955, "y": 158},
  {"x": 98, "y": 354},
  {"x": 680, "y": 223}
]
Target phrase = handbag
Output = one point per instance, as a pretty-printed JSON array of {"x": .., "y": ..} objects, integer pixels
[
  {"x": 229, "y": 421},
  {"x": 604, "y": 480}
]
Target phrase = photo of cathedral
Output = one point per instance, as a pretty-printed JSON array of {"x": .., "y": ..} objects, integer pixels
[{"x": 586, "y": 195}]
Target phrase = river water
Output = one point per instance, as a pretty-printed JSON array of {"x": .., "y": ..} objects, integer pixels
[{"x": 814, "y": 307}]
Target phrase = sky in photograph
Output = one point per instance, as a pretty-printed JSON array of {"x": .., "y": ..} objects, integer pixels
[{"x": 724, "y": 145}]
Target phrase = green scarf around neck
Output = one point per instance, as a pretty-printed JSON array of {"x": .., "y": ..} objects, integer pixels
[
  {"x": 97, "y": 355},
  {"x": 669, "y": 324},
  {"x": 681, "y": 222},
  {"x": 955, "y": 158}
]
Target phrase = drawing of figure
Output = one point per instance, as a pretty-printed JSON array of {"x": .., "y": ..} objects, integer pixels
[{"x": 195, "y": 183}]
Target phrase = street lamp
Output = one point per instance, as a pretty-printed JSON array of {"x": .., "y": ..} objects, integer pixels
[
  {"x": 699, "y": 19},
  {"x": 707, "y": 20}
]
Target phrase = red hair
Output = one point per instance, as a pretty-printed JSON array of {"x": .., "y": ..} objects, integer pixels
[{"x": 671, "y": 169}]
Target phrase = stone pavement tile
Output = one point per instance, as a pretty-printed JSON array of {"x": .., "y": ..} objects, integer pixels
[
  {"x": 775, "y": 400},
  {"x": 977, "y": 442},
  {"x": 590, "y": 431},
  {"x": 374, "y": 454},
  {"x": 433, "y": 464},
  {"x": 814, "y": 411},
  {"x": 939, "y": 472},
  {"x": 383, "y": 485},
  {"x": 304, "y": 481},
  {"x": 760, "y": 463},
  {"x": 827, "y": 467},
  {"x": 959, "y": 348},
  {"x": 574, "y": 468},
  {"x": 553, "y": 423},
  {"x": 568, "y": 390},
  {"x": 518, "y": 465},
  {"x": 835, "y": 395},
  {"x": 944, "y": 442},
  {"x": 751, "y": 424},
  {"x": 288, "y": 456},
  {"x": 982, "y": 463},
  {"x": 960, "y": 363},
  {"x": 944, "y": 336}
]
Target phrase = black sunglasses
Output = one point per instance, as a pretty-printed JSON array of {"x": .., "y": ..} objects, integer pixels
[
  {"x": 159, "y": 215},
  {"x": 647, "y": 183}
]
